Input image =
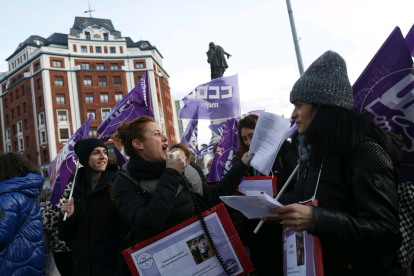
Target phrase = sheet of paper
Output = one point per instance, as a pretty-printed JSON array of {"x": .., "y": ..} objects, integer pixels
[
  {"x": 257, "y": 187},
  {"x": 252, "y": 206},
  {"x": 270, "y": 133}
]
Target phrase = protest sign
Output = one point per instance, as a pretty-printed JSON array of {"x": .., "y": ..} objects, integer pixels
[
  {"x": 185, "y": 250},
  {"x": 137, "y": 103},
  {"x": 384, "y": 93},
  {"x": 190, "y": 137},
  {"x": 63, "y": 165},
  {"x": 217, "y": 99},
  {"x": 226, "y": 151}
]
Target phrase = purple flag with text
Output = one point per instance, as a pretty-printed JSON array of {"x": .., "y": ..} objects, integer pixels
[
  {"x": 217, "y": 99},
  {"x": 120, "y": 158},
  {"x": 63, "y": 165},
  {"x": 226, "y": 151},
  {"x": 190, "y": 137},
  {"x": 385, "y": 93},
  {"x": 137, "y": 103},
  {"x": 203, "y": 152}
]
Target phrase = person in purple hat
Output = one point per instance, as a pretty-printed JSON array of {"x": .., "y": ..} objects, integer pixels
[{"x": 92, "y": 225}]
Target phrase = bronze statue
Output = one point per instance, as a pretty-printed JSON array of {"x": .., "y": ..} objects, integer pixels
[{"x": 217, "y": 61}]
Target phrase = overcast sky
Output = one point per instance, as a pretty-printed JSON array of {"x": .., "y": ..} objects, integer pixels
[{"x": 256, "y": 33}]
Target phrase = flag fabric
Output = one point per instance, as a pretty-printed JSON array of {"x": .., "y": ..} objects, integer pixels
[
  {"x": 218, "y": 128},
  {"x": 137, "y": 103},
  {"x": 217, "y": 99},
  {"x": 409, "y": 39},
  {"x": 385, "y": 94},
  {"x": 63, "y": 165},
  {"x": 226, "y": 151},
  {"x": 190, "y": 137},
  {"x": 120, "y": 158},
  {"x": 203, "y": 152}
]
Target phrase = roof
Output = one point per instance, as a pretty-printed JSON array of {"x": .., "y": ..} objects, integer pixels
[
  {"x": 143, "y": 45},
  {"x": 80, "y": 21},
  {"x": 57, "y": 38}
]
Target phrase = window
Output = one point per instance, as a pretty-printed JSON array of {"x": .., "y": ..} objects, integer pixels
[
  {"x": 98, "y": 49},
  {"x": 41, "y": 119},
  {"x": 84, "y": 49},
  {"x": 93, "y": 132},
  {"x": 104, "y": 97},
  {"x": 91, "y": 112},
  {"x": 139, "y": 65},
  {"x": 17, "y": 94},
  {"x": 38, "y": 84},
  {"x": 58, "y": 81},
  {"x": 102, "y": 81},
  {"x": 27, "y": 141},
  {"x": 105, "y": 113},
  {"x": 89, "y": 97},
  {"x": 57, "y": 63},
  {"x": 62, "y": 116},
  {"x": 38, "y": 66},
  {"x": 100, "y": 66},
  {"x": 40, "y": 101},
  {"x": 88, "y": 35},
  {"x": 12, "y": 113},
  {"x": 117, "y": 81},
  {"x": 5, "y": 103},
  {"x": 18, "y": 111},
  {"x": 8, "y": 137},
  {"x": 23, "y": 91},
  {"x": 111, "y": 151},
  {"x": 60, "y": 99},
  {"x": 64, "y": 133},
  {"x": 7, "y": 118},
  {"x": 114, "y": 66},
  {"x": 9, "y": 148},
  {"x": 19, "y": 127},
  {"x": 11, "y": 97},
  {"x": 26, "y": 124},
  {"x": 87, "y": 81},
  {"x": 24, "y": 108},
  {"x": 85, "y": 66},
  {"x": 118, "y": 97},
  {"x": 21, "y": 145},
  {"x": 112, "y": 50},
  {"x": 43, "y": 137},
  {"x": 105, "y": 36}
]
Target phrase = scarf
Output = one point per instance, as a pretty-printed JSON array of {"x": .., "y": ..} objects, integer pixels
[{"x": 304, "y": 148}]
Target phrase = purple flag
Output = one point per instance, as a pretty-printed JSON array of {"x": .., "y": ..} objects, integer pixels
[
  {"x": 218, "y": 128},
  {"x": 63, "y": 165},
  {"x": 385, "y": 93},
  {"x": 137, "y": 103},
  {"x": 205, "y": 151},
  {"x": 226, "y": 151},
  {"x": 217, "y": 99},
  {"x": 120, "y": 158},
  {"x": 190, "y": 137},
  {"x": 409, "y": 39}
]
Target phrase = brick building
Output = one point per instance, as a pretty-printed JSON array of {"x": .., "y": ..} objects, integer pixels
[{"x": 54, "y": 83}]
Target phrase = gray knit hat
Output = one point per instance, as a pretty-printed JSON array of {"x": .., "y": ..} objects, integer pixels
[{"x": 325, "y": 82}]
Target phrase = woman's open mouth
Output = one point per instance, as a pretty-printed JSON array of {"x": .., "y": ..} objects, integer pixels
[{"x": 165, "y": 148}]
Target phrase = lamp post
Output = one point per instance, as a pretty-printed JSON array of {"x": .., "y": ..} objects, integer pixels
[{"x": 295, "y": 37}]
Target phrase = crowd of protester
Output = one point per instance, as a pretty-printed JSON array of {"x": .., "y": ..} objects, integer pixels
[{"x": 347, "y": 163}]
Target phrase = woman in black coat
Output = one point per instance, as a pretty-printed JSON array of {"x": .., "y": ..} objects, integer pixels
[
  {"x": 348, "y": 165},
  {"x": 150, "y": 191},
  {"x": 93, "y": 223}
]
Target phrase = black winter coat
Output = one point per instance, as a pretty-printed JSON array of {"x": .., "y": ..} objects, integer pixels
[
  {"x": 152, "y": 214},
  {"x": 95, "y": 226},
  {"x": 357, "y": 218}
]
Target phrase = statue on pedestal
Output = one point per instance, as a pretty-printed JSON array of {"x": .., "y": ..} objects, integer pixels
[{"x": 218, "y": 64}]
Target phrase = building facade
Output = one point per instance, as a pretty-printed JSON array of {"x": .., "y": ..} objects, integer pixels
[{"x": 53, "y": 84}]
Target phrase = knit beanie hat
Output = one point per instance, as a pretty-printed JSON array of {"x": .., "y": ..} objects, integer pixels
[
  {"x": 325, "y": 82},
  {"x": 85, "y": 147}
]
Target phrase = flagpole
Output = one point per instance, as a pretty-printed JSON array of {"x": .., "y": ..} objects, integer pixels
[
  {"x": 295, "y": 37},
  {"x": 71, "y": 191}
]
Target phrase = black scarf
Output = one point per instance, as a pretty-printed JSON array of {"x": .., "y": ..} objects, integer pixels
[{"x": 143, "y": 169}]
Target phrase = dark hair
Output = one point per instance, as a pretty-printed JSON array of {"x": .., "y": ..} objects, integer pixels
[
  {"x": 13, "y": 165},
  {"x": 182, "y": 147},
  {"x": 247, "y": 122},
  {"x": 338, "y": 131},
  {"x": 126, "y": 133}
]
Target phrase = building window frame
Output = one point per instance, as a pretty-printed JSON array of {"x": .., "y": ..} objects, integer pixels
[
  {"x": 43, "y": 138},
  {"x": 116, "y": 78},
  {"x": 98, "y": 49},
  {"x": 107, "y": 113},
  {"x": 59, "y": 98},
  {"x": 114, "y": 66},
  {"x": 112, "y": 50},
  {"x": 101, "y": 82},
  {"x": 19, "y": 127},
  {"x": 139, "y": 65},
  {"x": 59, "y": 81},
  {"x": 21, "y": 144},
  {"x": 87, "y": 82},
  {"x": 84, "y": 49},
  {"x": 91, "y": 111},
  {"x": 88, "y": 97},
  {"x": 57, "y": 63},
  {"x": 60, "y": 135},
  {"x": 42, "y": 121},
  {"x": 100, "y": 66},
  {"x": 85, "y": 66},
  {"x": 8, "y": 134},
  {"x": 104, "y": 97},
  {"x": 93, "y": 132},
  {"x": 65, "y": 116},
  {"x": 118, "y": 99}
]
